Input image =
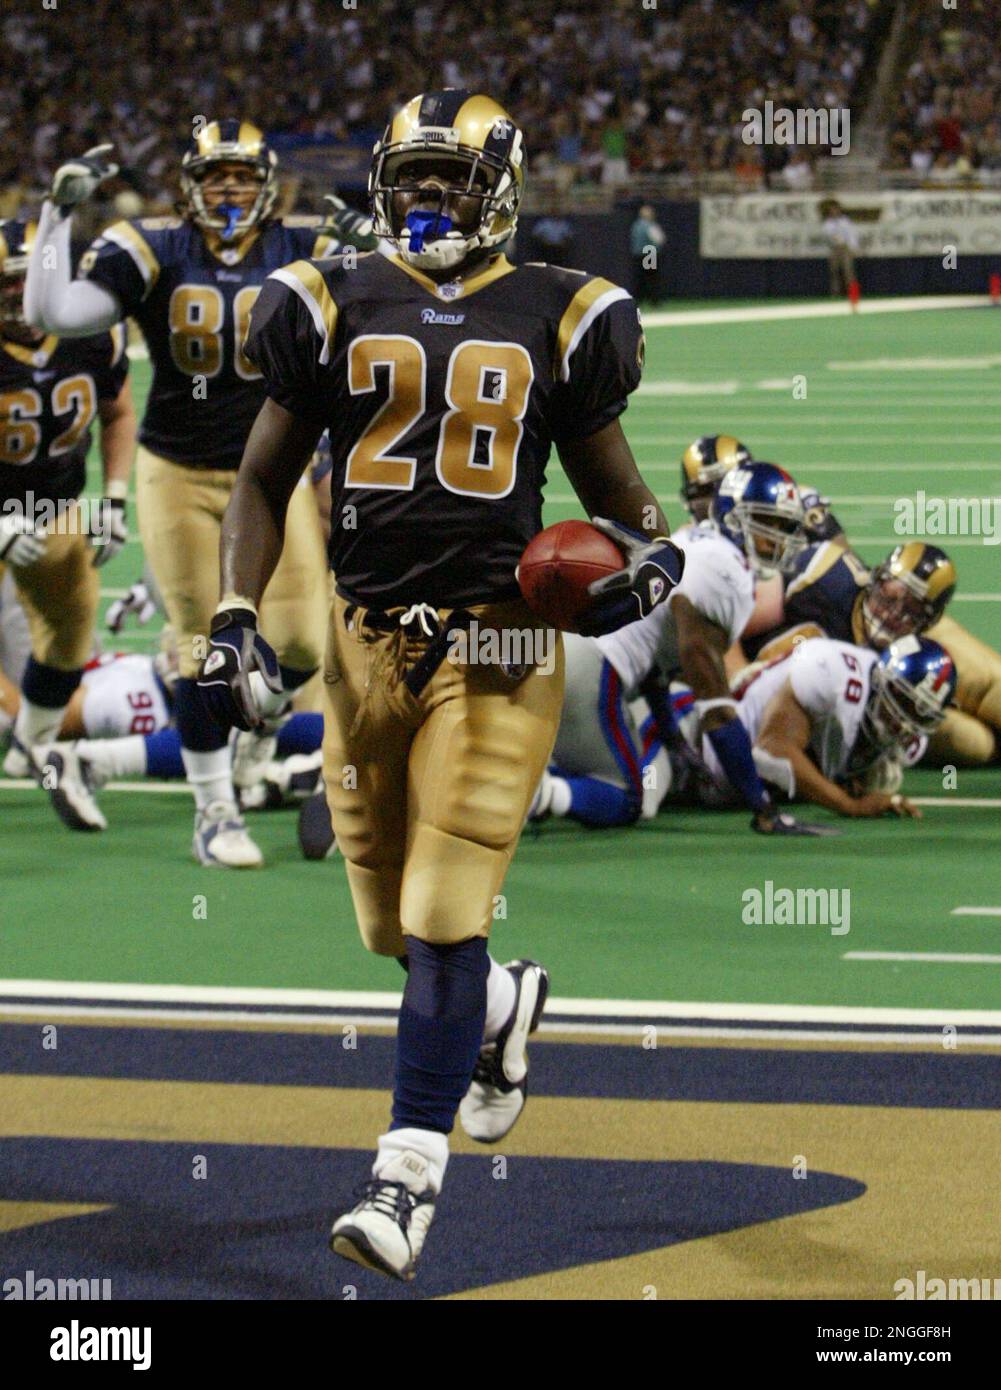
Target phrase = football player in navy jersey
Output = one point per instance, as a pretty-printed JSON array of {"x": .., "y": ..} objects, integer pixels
[
  {"x": 190, "y": 282},
  {"x": 51, "y": 393},
  {"x": 444, "y": 375}
]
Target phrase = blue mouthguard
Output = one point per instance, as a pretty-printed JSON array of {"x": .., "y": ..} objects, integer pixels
[
  {"x": 232, "y": 215},
  {"x": 424, "y": 226}
]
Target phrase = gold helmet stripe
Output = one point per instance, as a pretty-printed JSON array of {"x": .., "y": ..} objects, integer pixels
[
  {"x": 590, "y": 301},
  {"x": 306, "y": 281},
  {"x": 476, "y": 119},
  {"x": 126, "y": 236},
  {"x": 250, "y": 137},
  {"x": 405, "y": 121}
]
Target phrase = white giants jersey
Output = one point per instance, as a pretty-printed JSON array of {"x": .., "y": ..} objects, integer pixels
[
  {"x": 719, "y": 584},
  {"x": 830, "y": 681},
  {"x": 122, "y": 696}
]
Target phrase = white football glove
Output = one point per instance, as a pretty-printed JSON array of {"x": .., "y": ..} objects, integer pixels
[
  {"x": 136, "y": 601},
  {"x": 22, "y": 543},
  {"x": 76, "y": 180},
  {"x": 108, "y": 531}
]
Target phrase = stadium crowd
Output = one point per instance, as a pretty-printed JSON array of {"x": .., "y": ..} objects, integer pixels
[
  {"x": 604, "y": 91},
  {"x": 947, "y": 124}
]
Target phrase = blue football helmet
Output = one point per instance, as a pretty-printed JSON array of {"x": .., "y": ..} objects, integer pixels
[
  {"x": 758, "y": 507},
  {"x": 912, "y": 683}
]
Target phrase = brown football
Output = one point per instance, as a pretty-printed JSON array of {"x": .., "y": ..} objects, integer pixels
[{"x": 557, "y": 567}]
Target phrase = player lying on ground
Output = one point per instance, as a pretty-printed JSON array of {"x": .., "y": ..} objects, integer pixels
[
  {"x": 834, "y": 593},
  {"x": 444, "y": 375},
  {"x": 834, "y": 724},
  {"x": 119, "y": 724},
  {"x": 603, "y": 768},
  {"x": 51, "y": 392},
  {"x": 190, "y": 283}
]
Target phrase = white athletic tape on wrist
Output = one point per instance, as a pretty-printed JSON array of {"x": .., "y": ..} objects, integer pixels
[{"x": 702, "y": 707}]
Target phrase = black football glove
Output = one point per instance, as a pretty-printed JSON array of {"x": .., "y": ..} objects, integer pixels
[
  {"x": 236, "y": 651},
  {"x": 108, "y": 529},
  {"x": 652, "y": 569},
  {"x": 772, "y": 822}
]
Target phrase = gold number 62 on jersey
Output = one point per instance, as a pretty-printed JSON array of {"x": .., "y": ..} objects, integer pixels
[{"x": 486, "y": 392}]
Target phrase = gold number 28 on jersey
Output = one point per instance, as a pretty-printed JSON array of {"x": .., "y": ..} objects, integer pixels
[{"x": 486, "y": 392}]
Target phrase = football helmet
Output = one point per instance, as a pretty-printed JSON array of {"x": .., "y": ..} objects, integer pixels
[
  {"x": 16, "y": 241},
  {"x": 758, "y": 507},
  {"x": 481, "y": 143},
  {"x": 911, "y": 684},
  {"x": 703, "y": 464},
  {"x": 907, "y": 593},
  {"x": 229, "y": 142}
]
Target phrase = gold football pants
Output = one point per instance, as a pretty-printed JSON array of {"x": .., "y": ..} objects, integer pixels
[
  {"x": 428, "y": 795},
  {"x": 969, "y": 735},
  {"x": 180, "y": 517},
  {"x": 59, "y": 593}
]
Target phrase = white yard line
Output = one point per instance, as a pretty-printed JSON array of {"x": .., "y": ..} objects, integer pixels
[
  {"x": 822, "y": 309},
  {"x": 975, "y": 912},
  {"x": 932, "y": 957},
  {"x": 641, "y": 1009}
]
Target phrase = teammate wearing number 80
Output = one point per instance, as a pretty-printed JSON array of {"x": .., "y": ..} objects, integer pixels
[
  {"x": 191, "y": 282},
  {"x": 51, "y": 393},
  {"x": 443, "y": 374}
]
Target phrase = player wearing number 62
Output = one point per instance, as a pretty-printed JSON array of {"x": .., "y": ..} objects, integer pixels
[
  {"x": 190, "y": 283},
  {"x": 51, "y": 392},
  {"x": 444, "y": 375}
]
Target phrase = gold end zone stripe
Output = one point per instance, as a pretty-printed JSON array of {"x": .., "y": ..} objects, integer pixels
[
  {"x": 126, "y": 236},
  {"x": 305, "y": 280},
  {"x": 590, "y": 301}
]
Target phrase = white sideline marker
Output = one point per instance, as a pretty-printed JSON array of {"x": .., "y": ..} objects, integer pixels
[{"x": 975, "y": 912}]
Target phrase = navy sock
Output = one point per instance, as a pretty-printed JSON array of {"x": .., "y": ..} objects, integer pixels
[
  {"x": 47, "y": 686},
  {"x": 163, "y": 754},
  {"x": 597, "y": 803},
  {"x": 303, "y": 733},
  {"x": 440, "y": 1031},
  {"x": 197, "y": 728}
]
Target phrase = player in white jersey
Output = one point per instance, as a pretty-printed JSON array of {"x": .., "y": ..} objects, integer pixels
[
  {"x": 829, "y": 715},
  {"x": 605, "y": 770}
]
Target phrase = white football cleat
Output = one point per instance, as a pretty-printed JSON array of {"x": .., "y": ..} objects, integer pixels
[
  {"x": 221, "y": 839},
  {"x": 499, "y": 1088},
  {"x": 70, "y": 782},
  {"x": 386, "y": 1230}
]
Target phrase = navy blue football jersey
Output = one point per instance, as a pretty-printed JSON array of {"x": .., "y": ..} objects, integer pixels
[
  {"x": 49, "y": 397},
  {"x": 442, "y": 403},
  {"x": 823, "y": 598},
  {"x": 192, "y": 296}
]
